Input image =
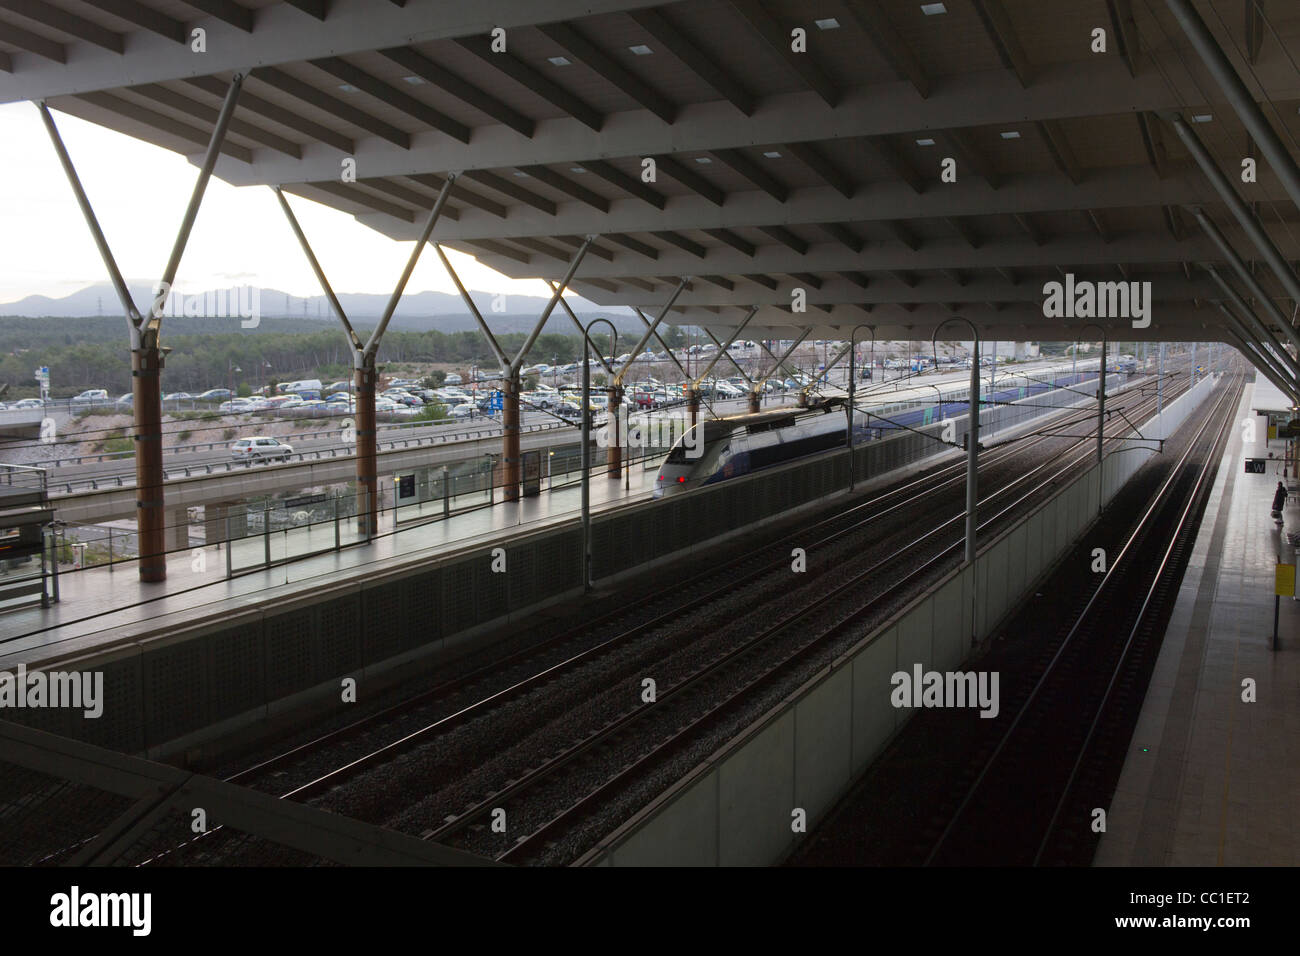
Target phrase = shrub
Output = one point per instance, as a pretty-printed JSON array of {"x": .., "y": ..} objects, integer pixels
[{"x": 116, "y": 444}]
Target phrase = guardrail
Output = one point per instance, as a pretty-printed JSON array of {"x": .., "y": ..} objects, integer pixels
[
  {"x": 23, "y": 477},
  {"x": 96, "y": 457},
  {"x": 224, "y": 467}
]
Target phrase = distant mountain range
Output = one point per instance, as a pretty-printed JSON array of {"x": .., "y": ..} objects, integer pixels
[{"x": 417, "y": 311}]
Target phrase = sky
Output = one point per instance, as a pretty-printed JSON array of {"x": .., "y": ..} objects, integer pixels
[{"x": 139, "y": 193}]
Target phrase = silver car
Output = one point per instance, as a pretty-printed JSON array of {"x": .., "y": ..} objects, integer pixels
[{"x": 260, "y": 448}]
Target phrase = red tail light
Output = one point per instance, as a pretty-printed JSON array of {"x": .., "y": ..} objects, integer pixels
[{"x": 681, "y": 478}]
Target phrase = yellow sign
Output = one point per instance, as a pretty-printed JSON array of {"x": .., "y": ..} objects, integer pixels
[
  {"x": 1272, "y": 432},
  {"x": 1284, "y": 580}
]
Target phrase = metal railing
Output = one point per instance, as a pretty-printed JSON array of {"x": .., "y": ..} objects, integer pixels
[{"x": 25, "y": 478}]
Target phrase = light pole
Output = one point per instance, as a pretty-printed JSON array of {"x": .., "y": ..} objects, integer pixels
[
  {"x": 1160, "y": 381},
  {"x": 1101, "y": 387},
  {"x": 1101, "y": 417},
  {"x": 586, "y": 443},
  {"x": 972, "y": 432},
  {"x": 853, "y": 381}
]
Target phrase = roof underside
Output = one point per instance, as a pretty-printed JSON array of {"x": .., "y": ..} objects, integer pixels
[{"x": 775, "y": 170}]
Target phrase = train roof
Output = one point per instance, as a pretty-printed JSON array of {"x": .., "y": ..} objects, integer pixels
[{"x": 918, "y": 389}]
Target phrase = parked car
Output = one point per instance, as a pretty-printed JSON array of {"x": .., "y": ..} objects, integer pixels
[
  {"x": 284, "y": 401},
  {"x": 464, "y": 410},
  {"x": 452, "y": 379},
  {"x": 177, "y": 397},
  {"x": 92, "y": 396},
  {"x": 216, "y": 395},
  {"x": 236, "y": 405},
  {"x": 260, "y": 448},
  {"x": 23, "y": 403},
  {"x": 125, "y": 402}
]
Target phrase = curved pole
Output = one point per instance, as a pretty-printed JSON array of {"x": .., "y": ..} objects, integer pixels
[
  {"x": 973, "y": 430},
  {"x": 853, "y": 381},
  {"x": 586, "y": 443}
]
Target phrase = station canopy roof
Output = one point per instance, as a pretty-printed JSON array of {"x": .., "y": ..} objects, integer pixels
[{"x": 774, "y": 170}]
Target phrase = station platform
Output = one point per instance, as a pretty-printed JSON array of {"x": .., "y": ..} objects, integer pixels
[
  {"x": 1209, "y": 779},
  {"x": 99, "y": 606}
]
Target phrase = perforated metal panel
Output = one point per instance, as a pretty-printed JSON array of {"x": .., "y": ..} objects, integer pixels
[
  {"x": 174, "y": 689},
  {"x": 236, "y": 681},
  {"x": 288, "y": 652},
  {"x": 338, "y": 645},
  {"x": 559, "y": 566},
  {"x": 384, "y": 620},
  {"x": 490, "y": 586},
  {"x": 422, "y": 609},
  {"x": 522, "y": 583},
  {"x": 119, "y": 727},
  {"x": 459, "y": 602}
]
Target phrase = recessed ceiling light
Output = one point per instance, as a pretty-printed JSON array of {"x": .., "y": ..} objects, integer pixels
[
  {"x": 1201, "y": 117},
  {"x": 829, "y": 23},
  {"x": 703, "y": 159},
  {"x": 1010, "y": 134},
  {"x": 933, "y": 9},
  {"x": 347, "y": 88},
  {"x": 925, "y": 141},
  {"x": 641, "y": 49},
  {"x": 413, "y": 80},
  {"x": 772, "y": 154},
  {"x": 558, "y": 60},
  {"x": 577, "y": 169},
  {"x": 521, "y": 174}
]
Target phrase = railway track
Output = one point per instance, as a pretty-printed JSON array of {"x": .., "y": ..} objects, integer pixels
[
  {"x": 1032, "y": 800},
  {"x": 650, "y": 616},
  {"x": 674, "y": 731},
  {"x": 1021, "y": 789},
  {"x": 572, "y": 647}
]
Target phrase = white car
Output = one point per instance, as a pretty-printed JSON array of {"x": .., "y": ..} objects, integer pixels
[
  {"x": 260, "y": 448},
  {"x": 27, "y": 403},
  {"x": 464, "y": 410},
  {"x": 236, "y": 405}
]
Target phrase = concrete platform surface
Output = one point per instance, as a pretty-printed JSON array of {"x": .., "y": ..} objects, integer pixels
[
  {"x": 1211, "y": 779},
  {"x": 100, "y": 606}
]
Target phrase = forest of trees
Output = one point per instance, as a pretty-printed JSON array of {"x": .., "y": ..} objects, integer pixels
[{"x": 87, "y": 353}]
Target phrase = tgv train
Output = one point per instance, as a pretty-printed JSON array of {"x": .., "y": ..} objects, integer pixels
[{"x": 722, "y": 448}]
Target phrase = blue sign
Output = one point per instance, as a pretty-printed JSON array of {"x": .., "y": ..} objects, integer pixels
[{"x": 498, "y": 400}]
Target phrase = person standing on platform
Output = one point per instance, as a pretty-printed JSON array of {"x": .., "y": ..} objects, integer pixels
[{"x": 1279, "y": 501}]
